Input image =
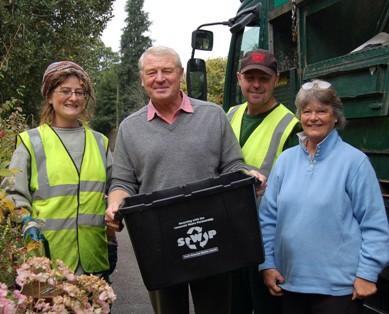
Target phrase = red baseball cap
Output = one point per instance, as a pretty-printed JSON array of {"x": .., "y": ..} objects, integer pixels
[{"x": 259, "y": 59}]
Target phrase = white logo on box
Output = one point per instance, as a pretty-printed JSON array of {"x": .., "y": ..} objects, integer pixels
[{"x": 196, "y": 237}]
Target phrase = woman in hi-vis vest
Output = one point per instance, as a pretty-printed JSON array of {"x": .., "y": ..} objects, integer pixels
[{"x": 65, "y": 167}]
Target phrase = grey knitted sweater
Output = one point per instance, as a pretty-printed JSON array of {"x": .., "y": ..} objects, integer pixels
[{"x": 153, "y": 155}]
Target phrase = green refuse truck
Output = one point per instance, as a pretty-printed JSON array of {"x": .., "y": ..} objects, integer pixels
[{"x": 345, "y": 42}]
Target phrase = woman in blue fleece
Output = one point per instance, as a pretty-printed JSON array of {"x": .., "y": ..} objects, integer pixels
[{"x": 323, "y": 219}]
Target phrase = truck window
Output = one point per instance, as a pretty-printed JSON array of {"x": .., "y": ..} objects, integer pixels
[{"x": 250, "y": 41}]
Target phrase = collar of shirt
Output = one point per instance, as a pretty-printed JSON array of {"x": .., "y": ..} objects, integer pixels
[
  {"x": 185, "y": 106},
  {"x": 324, "y": 148}
]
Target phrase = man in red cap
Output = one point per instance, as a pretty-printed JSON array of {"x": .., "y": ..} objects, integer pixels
[{"x": 264, "y": 128}]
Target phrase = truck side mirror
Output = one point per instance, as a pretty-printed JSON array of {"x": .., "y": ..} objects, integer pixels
[
  {"x": 196, "y": 79},
  {"x": 202, "y": 40}
]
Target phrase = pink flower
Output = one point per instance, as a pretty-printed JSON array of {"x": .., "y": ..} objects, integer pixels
[
  {"x": 7, "y": 306},
  {"x": 3, "y": 290},
  {"x": 21, "y": 298},
  {"x": 82, "y": 294},
  {"x": 42, "y": 306}
]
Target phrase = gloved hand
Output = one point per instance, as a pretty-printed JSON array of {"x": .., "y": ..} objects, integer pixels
[{"x": 31, "y": 229}]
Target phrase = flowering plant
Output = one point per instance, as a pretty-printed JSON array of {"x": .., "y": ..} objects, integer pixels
[
  {"x": 11, "y": 301},
  {"x": 50, "y": 287}
]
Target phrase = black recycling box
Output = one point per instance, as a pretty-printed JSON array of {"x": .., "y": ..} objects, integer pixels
[{"x": 194, "y": 231}]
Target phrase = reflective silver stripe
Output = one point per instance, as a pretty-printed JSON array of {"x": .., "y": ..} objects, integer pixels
[
  {"x": 274, "y": 143},
  {"x": 46, "y": 191},
  {"x": 71, "y": 223},
  {"x": 100, "y": 143},
  {"x": 91, "y": 220},
  {"x": 60, "y": 224},
  {"x": 92, "y": 186},
  {"x": 40, "y": 156}
]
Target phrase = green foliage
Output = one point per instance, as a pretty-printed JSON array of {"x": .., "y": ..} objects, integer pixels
[
  {"x": 12, "y": 122},
  {"x": 216, "y": 69},
  {"x": 107, "y": 101},
  {"x": 35, "y": 33},
  {"x": 133, "y": 43},
  {"x": 14, "y": 252},
  {"x": 118, "y": 91}
]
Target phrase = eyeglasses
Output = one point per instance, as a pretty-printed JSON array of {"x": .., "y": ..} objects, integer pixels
[
  {"x": 68, "y": 93},
  {"x": 316, "y": 84}
]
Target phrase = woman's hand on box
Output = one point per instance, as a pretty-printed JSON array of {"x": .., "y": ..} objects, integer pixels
[{"x": 363, "y": 288}]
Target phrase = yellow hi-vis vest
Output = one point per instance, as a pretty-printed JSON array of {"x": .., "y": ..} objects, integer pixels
[
  {"x": 70, "y": 202},
  {"x": 265, "y": 144}
]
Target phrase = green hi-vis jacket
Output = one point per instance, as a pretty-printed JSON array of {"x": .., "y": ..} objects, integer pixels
[
  {"x": 265, "y": 144},
  {"x": 70, "y": 202}
]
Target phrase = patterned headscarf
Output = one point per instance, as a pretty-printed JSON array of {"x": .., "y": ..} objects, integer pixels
[{"x": 56, "y": 69}]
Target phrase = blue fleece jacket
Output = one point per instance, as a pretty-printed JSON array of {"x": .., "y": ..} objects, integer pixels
[{"x": 323, "y": 219}]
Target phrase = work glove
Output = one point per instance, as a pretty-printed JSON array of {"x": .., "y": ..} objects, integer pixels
[{"x": 31, "y": 229}]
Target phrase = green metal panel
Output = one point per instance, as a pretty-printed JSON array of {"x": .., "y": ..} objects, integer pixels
[
  {"x": 285, "y": 90},
  {"x": 278, "y": 3},
  {"x": 371, "y": 136},
  {"x": 348, "y": 62},
  {"x": 361, "y": 80}
]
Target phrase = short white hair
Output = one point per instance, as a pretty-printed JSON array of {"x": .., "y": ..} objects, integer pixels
[{"x": 159, "y": 51}]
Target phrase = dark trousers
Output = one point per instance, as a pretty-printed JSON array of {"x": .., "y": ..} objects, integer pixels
[
  {"x": 210, "y": 296},
  {"x": 303, "y": 303},
  {"x": 249, "y": 294}
]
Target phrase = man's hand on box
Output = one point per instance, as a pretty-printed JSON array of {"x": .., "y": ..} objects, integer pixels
[
  {"x": 110, "y": 220},
  {"x": 115, "y": 201},
  {"x": 259, "y": 189}
]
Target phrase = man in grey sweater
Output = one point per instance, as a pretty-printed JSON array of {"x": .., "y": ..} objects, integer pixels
[{"x": 172, "y": 141}]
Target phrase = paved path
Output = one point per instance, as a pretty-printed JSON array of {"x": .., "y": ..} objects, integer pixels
[{"x": 132, "y": 296}]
